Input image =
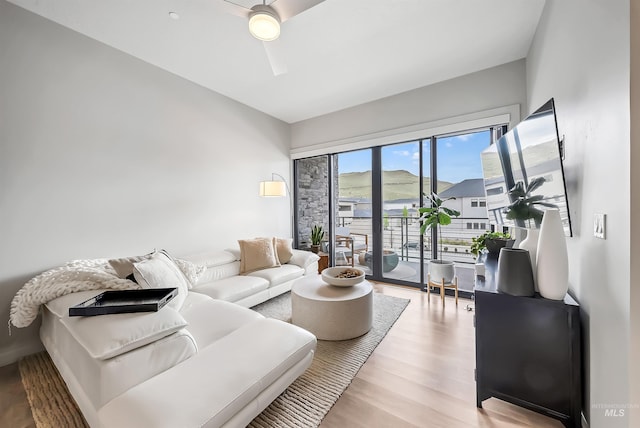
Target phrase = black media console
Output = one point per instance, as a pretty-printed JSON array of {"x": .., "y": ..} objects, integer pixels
[{"x": 528, "y": 350}]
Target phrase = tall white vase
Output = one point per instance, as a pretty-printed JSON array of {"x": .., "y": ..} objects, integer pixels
[
  {"x": 530, "y": 243},
  {"x": 518, "y": 236},
  {"x": 552, "y": 259}
]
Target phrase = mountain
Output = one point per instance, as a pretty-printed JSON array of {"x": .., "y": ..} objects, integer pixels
[{"x": 398, "y": 184}]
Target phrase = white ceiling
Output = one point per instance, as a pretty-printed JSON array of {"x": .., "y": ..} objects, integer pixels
[{"x": 339, "y": 54}]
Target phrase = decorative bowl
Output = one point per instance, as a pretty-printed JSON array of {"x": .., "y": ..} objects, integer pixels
[{"x": 330, "y": 276}]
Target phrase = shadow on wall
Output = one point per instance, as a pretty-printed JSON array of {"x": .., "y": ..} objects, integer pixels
[{"x": 595, "y": 300}]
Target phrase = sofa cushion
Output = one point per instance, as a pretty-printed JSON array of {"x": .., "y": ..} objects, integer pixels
[
  {"x": 279, "y": 275},
  {"x": 255, "y": 254},
  {"x": 234, "y": 288},
  {"x": 235, "y": 252},
  {"x": 225, "y": 377},
  {"x": 212, "y": 258},
  {"x": 107, "y": 336},
  {"x": 60, "y": 305},
  {"x": 215, "y": 273},
  {"x": 159, "y": 271},
  {"x": 210, "y": 320}
]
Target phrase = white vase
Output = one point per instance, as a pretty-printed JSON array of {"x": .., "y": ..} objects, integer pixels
[
  {"x": 518, "y": 236},
  {"x": 552, "y": 258},
  {"x": 530, "y": 243}
]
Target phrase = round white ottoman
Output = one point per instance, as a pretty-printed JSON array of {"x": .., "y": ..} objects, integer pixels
[{"x": 329, "y": 312}]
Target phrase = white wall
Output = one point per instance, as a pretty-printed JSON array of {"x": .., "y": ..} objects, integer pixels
[
  {"x": 580, "y": 56},
  {"x": 104, "y": 155},
  {"x": 496, "y": 87}
]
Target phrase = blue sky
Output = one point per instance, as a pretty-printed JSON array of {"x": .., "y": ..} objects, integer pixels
[{"x": 458, "y": 157}]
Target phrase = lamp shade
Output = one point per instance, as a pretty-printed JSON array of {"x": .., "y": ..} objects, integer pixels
[
  {"x": 273, "y": 188},
  {"x": 264, "y": 23}
]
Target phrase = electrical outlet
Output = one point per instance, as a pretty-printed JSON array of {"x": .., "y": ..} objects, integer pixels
[{"x": 599, "y": 225}]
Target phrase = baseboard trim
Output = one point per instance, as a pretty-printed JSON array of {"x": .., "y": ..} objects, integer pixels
[{"x": 12, "y": 355}]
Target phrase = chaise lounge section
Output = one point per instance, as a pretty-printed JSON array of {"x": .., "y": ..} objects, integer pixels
[{"x": 206, "y": 360}]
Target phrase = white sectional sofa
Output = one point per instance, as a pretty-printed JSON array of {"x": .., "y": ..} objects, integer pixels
[
  {"x": 222, "y": 279},
  {"x": 208, "y": 361}
]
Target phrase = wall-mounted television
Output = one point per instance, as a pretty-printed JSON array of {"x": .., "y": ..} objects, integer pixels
[{"x": 528, "y": 153}]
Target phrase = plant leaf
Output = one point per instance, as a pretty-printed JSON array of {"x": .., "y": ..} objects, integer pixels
[{"x": 535, "y": 183}]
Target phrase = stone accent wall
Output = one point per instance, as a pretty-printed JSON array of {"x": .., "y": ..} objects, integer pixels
[{"x": 313, "y": 201}]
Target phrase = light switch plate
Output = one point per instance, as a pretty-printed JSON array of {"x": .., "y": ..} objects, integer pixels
[{"x": 599, "y": 226}]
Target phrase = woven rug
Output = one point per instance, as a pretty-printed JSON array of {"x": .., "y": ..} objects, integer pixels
[
  {"x": 51, "y": 404},
  {"x": 303, "y": 404}
]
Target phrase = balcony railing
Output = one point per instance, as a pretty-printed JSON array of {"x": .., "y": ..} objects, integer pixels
[{"x": 402, "y": 234}]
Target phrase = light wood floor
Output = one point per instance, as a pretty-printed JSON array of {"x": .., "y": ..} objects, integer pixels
[{"x": 421, "y": 375}]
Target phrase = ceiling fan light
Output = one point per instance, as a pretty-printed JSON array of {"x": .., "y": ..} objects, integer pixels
[{"x": 264, "y": 23}]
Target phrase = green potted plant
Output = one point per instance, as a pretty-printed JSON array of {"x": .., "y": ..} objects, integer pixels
[
  {"x": 436, "y": 216},
  {"x": 317, "y": 233},
  {"x": 490, "y": 241}
]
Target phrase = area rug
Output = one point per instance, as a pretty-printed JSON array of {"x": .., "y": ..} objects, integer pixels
[
  {"x": 307, "y": 400},
  {"x": 51, "y": 404},
  {"x": 304, "y": 404}
]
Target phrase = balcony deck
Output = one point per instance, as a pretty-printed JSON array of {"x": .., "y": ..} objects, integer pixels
[
  {"x": 410, "y": 271},
  {"x": 402, "y": 235}
]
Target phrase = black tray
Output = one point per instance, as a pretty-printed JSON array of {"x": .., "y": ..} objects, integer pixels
[{"x": 124, "y": 301}]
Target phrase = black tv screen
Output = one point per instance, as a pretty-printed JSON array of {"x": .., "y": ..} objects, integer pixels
[{"x": 529, "y": 153}]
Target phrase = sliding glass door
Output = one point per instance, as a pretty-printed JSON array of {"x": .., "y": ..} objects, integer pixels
[
  {"x": 368, "y": 200},
  {"x": 402, "y": 185},
  {"x": 352, "y": 231},
  {"x": 460, "y": 181}
]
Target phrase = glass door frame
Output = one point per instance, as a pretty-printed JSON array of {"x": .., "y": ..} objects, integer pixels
[{"x": 377, "y": 204}]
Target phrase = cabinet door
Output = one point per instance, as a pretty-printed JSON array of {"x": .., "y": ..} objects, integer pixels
[{"x": 524, "y": 349}]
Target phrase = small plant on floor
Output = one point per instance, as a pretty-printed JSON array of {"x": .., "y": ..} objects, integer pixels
[{"x": 317, "y": 233}]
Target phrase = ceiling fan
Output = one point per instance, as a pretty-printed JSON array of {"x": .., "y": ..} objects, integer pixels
[{"x": 264, "y": 24}]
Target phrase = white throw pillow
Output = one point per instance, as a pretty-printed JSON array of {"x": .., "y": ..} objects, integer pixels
[
  {"x": 256, "y": 254},
  {"x": 107, "y": 336},
  {"x": 160, "y": 271},
  {"x": 191, "y": 271},
  {"x": 303, "y": 258}
]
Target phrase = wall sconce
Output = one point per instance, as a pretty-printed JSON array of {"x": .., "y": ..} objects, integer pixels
[{"x": 274, "y": 188}]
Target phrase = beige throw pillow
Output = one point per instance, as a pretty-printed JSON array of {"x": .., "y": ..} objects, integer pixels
[
  {"x": 284, "y": 248},
  {"x": 256, "y": 254},
  {"x": 124, "y": 266}
]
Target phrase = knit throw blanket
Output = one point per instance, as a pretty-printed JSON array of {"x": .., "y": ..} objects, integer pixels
[{"x": 74, "y": 276}]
